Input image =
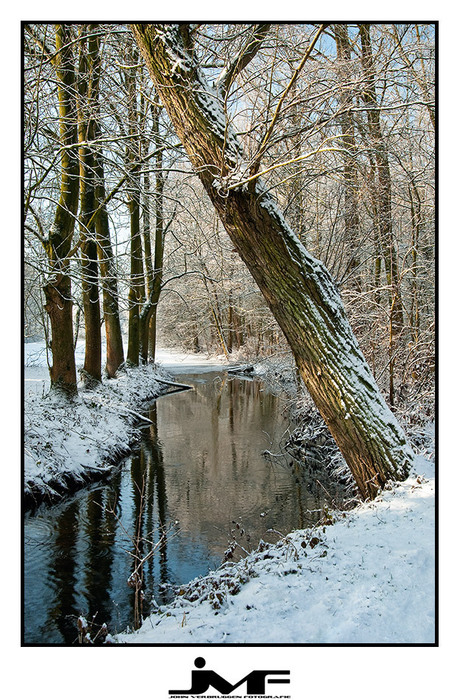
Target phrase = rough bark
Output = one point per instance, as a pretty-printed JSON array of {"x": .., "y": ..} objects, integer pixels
[{"x": 296, "y": 286}]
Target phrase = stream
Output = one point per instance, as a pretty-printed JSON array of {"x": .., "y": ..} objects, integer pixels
[{"x": 209, "y": 478}]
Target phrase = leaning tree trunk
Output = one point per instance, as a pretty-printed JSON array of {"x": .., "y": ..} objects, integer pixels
[
  {"x": 296, "y": 286},
  {"x": 58, "y": 286}
]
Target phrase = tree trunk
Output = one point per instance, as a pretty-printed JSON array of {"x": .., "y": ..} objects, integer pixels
[
  {"x": 58, "y": 287},
  {"x": 297, "y": 287},
  {"x": 389, "y": 252},
  {"x": 87, "y": 89},
  {"x": 114, "y": 339},
  {"x": 59, "y": 306},
  {"x": 136, "y": 283},
  {"x": 107, "y": 269},
  {"x": 350, "y": 178},
  {"x": 416, "y": 223},
  {"x": 136, "y": 292},
  {"x": 149, "y": 312},
  {"x": 149, "y": 270},
  {"x": 91, "y": 306}
]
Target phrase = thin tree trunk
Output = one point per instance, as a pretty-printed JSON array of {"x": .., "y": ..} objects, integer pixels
[
  {"x": 136, "y": 285},
  {"x": 58, "y": 288},
  {"x": 230, "y": 334},
  {"x": 149, "y": 269},
  {"x": 297, "y": 288},
  {"x": 149, "y": 312},
  {"x": 389, "y": 251},
  {"x": 109, "y": 284},
  {"x": 416, "y": 224},
  {"x": 87, "y": 89},
  {"x": 351, "y": 215}
]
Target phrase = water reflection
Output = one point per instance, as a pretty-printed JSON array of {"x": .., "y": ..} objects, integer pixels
[
  {"x": 63, "y": 573},
  {"x": 197, "y": 482}
]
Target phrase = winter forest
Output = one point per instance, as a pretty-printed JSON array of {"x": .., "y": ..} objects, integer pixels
[{"x": 254, "y": 205}]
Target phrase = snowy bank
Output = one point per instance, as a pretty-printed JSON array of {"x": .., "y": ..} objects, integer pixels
[
  {"x": 366, "y": 576},
  {"x": 68, "y": 443}
]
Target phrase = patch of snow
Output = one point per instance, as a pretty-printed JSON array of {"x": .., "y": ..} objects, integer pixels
[{"x": 177, "y": 362}]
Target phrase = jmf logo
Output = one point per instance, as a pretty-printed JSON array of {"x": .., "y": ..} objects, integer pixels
[{"x": 202, "y": 680}]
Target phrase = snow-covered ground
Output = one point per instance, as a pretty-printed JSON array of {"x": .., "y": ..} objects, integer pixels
[
  {"x": 36, "y": 374},
  {"x": 176, "y": 362},
  {"x": 369, "y": 577}
]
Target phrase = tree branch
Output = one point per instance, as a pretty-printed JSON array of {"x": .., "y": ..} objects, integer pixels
[
  {"x": 247, "y": 53},
  {"x": 263, "y": 146}
]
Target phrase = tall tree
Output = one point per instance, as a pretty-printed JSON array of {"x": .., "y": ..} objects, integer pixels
[
  {"x": 88, "y": 89},
  {"x": 133, "y": 158},
  {"x": 58, "y": 287},
  {"x": 382, "y": 189},
  {"x": 107, "y": 267},
  {"x": 298, "y": 289},
  {"x": 350, "y": 177},
  {"x": 154, "y": 272},
  {"x": 107, "y": 262}
]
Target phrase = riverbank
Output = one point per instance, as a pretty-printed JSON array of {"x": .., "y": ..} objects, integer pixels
[
  {"x": 68, "y": 444},
  {"x": 366, "y": 577}
]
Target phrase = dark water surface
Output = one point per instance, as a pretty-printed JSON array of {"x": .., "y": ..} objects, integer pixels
[{"x": 197, "y": 482}]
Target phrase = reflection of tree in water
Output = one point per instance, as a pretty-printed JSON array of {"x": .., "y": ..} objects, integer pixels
[
  {"x": 64, "y": 574},
  {"x": 218, "y": 456},
  {"x": 86, "y": 568},
  {"x": 157, "y": 467},
  {"x": 200, "y": 462},
  {"x": 136, "y": 579},
  {"x": 99, "y": 529},
  {"x": 149, "y": 517}
]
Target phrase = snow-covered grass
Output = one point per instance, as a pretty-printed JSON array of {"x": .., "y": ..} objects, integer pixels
[{"x": 365, "y": 576}]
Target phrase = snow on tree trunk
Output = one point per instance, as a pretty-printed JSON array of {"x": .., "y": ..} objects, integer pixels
[{"x": 297, "y": 287}]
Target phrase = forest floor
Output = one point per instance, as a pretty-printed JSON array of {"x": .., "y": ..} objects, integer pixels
[{"x": 362, "y": 576}]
